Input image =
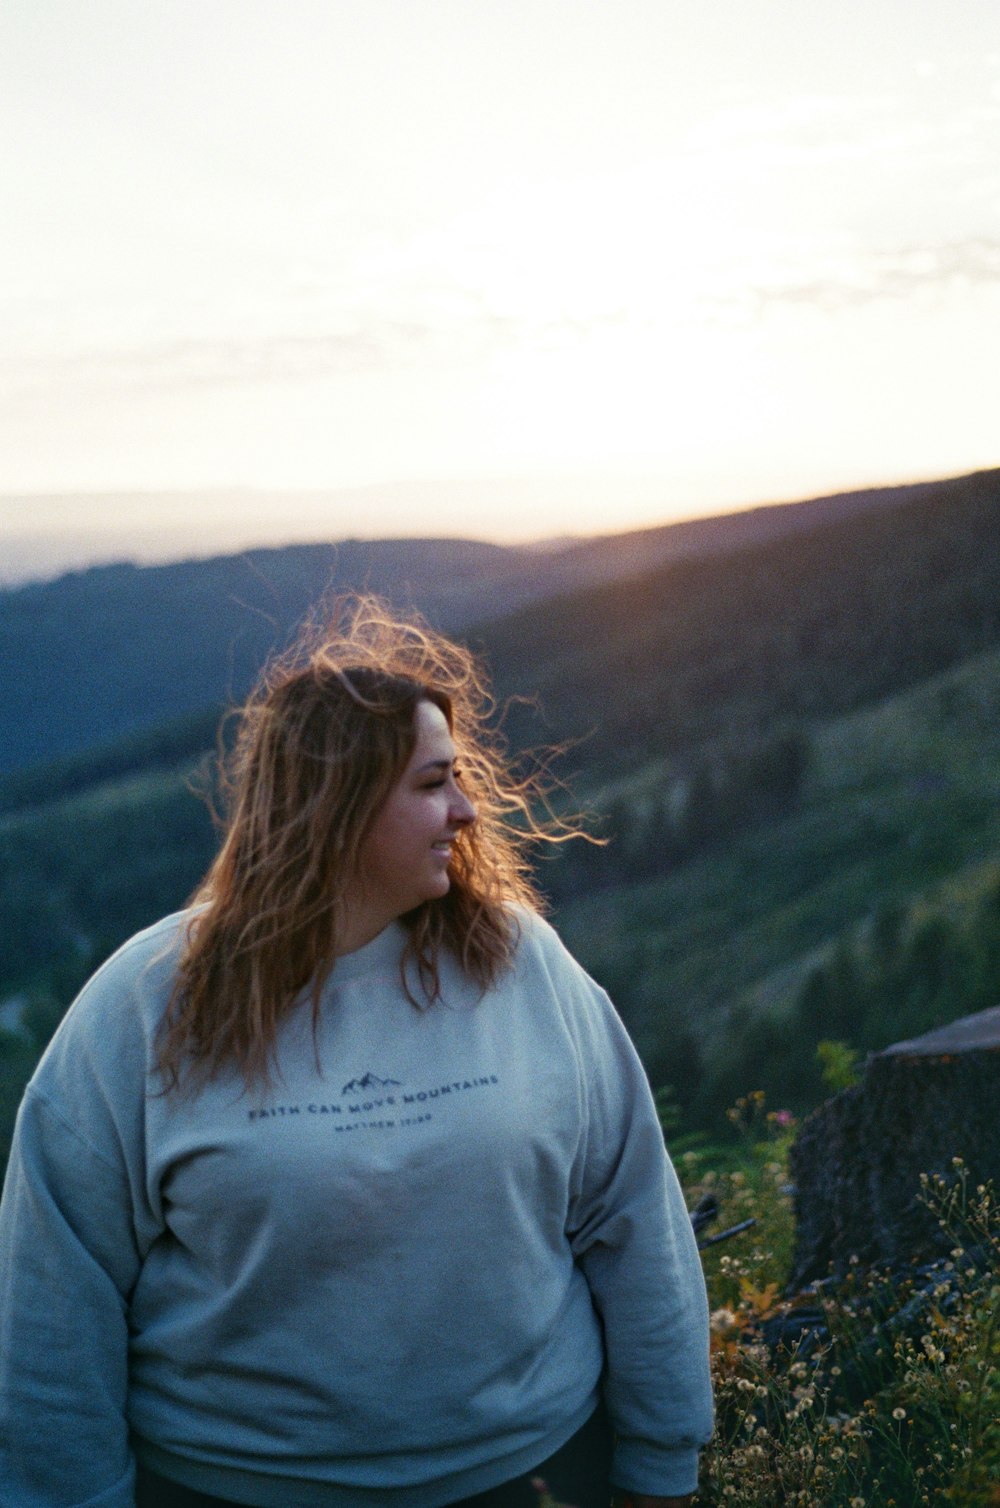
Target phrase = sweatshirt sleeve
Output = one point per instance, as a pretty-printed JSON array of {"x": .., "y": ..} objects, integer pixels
[
  {"x": 632, "y": 1236},
  {"x": 68, "y": 1260}
]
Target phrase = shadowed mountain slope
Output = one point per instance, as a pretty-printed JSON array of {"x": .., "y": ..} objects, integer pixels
[
  {"x": 722, "y": 646},
  {"x": 100, "y": 653}
]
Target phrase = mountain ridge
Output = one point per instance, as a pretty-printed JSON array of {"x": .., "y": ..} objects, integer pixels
[{"x": 222, "y": 616}]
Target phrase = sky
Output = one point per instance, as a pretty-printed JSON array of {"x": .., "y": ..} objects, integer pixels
[{"x": 503, "y": 268}]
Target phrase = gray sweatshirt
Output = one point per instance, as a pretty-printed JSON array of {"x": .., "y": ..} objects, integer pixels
[{"x": 397, "y": 1277}]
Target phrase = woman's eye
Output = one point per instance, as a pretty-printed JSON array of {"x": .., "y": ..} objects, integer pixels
[{"x": 435, "y": 785}]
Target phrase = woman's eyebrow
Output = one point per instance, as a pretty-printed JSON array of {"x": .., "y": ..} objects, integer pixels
[{"x": 435, "y": 764}]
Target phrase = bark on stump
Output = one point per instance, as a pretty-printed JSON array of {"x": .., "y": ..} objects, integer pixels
[{"x": 857, "y": 1160}]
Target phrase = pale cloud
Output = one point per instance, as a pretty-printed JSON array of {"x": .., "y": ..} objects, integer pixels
[
  {"x": 869, "y": 276},
  {"x": 805, "y": 115},
  {"x": 448, "y": 333}
]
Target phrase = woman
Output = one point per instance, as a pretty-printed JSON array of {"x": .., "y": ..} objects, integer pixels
[{"x": 345, "y": 1187}]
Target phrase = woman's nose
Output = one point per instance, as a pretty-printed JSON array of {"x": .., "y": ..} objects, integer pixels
[{"x": 462, "y": 810}]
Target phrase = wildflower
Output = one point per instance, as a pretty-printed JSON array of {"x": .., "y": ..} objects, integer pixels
[{"x": 899, "y": 1413}]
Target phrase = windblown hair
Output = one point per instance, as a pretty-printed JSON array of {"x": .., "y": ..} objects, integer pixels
[{"x": 320, "y": 744}]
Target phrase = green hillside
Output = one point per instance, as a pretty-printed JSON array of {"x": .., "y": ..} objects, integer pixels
[
  {"x": 82, "y": 873},
  {"x": 170, "y": 745},
  {"x": 78, "y": 876},
  {"x": 868, "y": 910}
]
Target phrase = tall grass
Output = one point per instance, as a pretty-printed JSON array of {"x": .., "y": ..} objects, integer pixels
[{"x": 890, "y": 1397}]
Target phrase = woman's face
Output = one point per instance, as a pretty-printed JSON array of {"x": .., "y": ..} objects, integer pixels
[{"x": 404, "y": 860}]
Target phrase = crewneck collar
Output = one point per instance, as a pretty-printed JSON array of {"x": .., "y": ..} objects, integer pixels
[{"x": 382, "y": 954}]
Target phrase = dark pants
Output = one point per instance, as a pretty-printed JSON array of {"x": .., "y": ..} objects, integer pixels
[{"x": 577, "y": 1473}]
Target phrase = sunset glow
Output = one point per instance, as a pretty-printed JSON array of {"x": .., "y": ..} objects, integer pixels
[{"x": 509, "y": 270}]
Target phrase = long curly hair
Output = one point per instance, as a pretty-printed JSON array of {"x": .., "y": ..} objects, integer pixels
[{"x": 321, "y": 741}]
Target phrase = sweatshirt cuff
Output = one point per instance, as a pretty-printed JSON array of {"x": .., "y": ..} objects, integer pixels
[{"x": 661, "y": 1472}]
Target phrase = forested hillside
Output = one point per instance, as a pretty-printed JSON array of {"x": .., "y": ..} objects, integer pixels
[
  {"x": 794, "y": 750},
  {"x": 859, "y": 907},
  {"x": 727, "y": 645},
  {"x": 103, "y": 652},
  {"x": 100, "y": 653}
]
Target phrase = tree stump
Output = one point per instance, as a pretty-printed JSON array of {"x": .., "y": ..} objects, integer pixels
[{"x": 857, "y": 1160}]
